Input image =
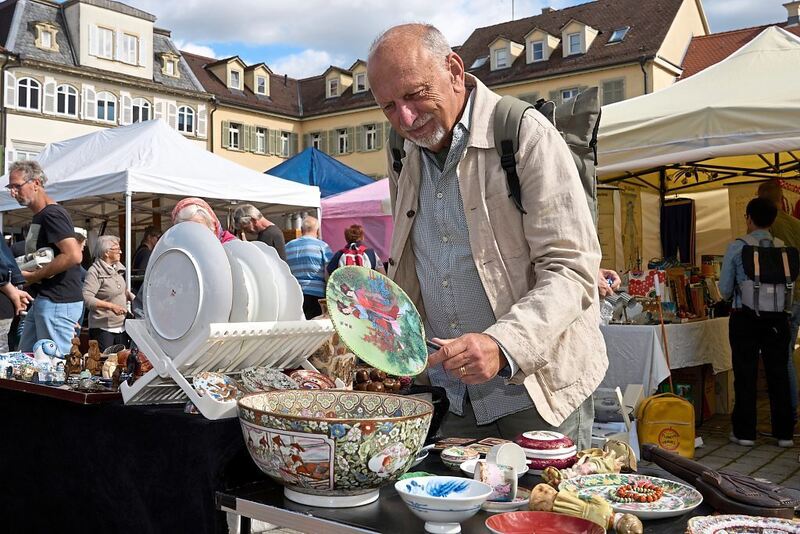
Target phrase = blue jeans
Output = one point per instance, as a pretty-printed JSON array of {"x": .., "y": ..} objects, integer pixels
[
  {"x": 794, "y": 326},
  {"x": 50, "y": 320}
]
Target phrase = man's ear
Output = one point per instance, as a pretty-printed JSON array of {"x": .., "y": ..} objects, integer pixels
[{"x": 455, "y": 65}]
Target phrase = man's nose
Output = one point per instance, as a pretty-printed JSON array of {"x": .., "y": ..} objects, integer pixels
[{"x": 407, "y": 116}]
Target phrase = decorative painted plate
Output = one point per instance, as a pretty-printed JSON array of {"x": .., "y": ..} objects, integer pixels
[
  {"x": 678, "y": 498},
  {"x": 741, "y": 524},
  {"x": 377, "y": 320},
  {"x": 523, "y": 496},
  {"x": 264, "y": 379},
  {"x": 312, "y": 380},
  {"x": 541, "y": 523},
  {"x": 219, "y": 387}
]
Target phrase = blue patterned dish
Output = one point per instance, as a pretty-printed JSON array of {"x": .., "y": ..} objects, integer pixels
[{"x": 443, "y": 502}]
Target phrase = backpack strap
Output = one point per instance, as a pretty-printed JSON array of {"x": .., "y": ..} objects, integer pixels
[
  {"x": 398, "y": 150},
  {"x": 756, "y": 278},
  {"x": 507, "y": 120},
  {"x": 789, "y": 289}
]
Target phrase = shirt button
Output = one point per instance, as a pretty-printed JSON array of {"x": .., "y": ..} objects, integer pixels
[
  {"x": 445, "y": 283},
  {"x": 453, "y": 326},
  {"x": 445, "y": 239},
  {"x": 410, "y": 213},
  {"x": 439, "y": 195}
]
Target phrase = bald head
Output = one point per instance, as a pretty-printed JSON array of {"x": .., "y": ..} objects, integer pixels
[
  {"x": 771, "y": 190},
  {"x": 411, "y": 36}
]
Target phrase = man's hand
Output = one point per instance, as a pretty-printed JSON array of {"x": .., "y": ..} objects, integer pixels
[
  {"x": 19, "y": 298},
  {"x": 31, "y": 277},
  {"x": 603, "y": 282},
  {"x": 472, "y": 358}
]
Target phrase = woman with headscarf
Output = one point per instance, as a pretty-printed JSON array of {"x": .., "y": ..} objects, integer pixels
[{"x": 197, "y": 210}]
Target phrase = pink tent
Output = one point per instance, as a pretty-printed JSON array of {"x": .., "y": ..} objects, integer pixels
[{"x": 368, "y": 206}]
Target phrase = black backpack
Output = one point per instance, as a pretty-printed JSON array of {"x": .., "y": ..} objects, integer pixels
[{"x": 577, "y": 120}]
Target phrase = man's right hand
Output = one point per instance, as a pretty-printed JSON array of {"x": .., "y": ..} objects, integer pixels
[{"x": 19, "y": 298}]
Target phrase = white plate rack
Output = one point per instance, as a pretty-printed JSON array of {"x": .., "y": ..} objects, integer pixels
[{"x": 225, "y": 348}]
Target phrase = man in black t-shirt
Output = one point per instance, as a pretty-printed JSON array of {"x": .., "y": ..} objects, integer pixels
[
  {"x": 142, "y": 256},
  {"x": 58, "y": 304},
  {"x": 248, "y": 219}
]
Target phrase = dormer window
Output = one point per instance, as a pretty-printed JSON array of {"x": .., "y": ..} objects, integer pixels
[
  {"x": 261, "y": 85},
  {"x": 236, "y": 80},
  {"x": 169, "y": 65},
  {"x": 46, "y": 37},
  {"x": 575, "y": 43},
  {"x": 478, "y": 63},
  {"x": 618, "y": 35},
  {"x": 501, "y": 58},
  {"x": 361, "y": 82},
  {"x": 537, "y": 51},
  {"x": 333, "y": 88}
]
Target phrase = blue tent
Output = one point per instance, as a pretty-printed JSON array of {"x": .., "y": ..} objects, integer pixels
[{"x": 314, "y": 167}]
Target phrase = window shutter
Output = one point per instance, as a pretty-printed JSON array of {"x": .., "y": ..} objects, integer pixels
[
  {"x": 351, "y": 133},
  {"x": 159, "y": 109},
  {"x": 254, "y": 139},
  {"x": 94, "y": 40},
  {"x": 224, "y": 134},
  {"x": 89, "y": 102},
  {"x": 273, "y": 142},
  {"x": 246, "y": 133},
  {"x": 323, "y": 142},
  {"x": 117, "y": 52},
  {"x": 306, "y": 141},
  {"x": 126, "y": 108},
  {"x": 172, "y": 115},
  {"x": 142, "y": 53},
  {"x": 361, "y": 134},
  {"x": 293, "y": 140},
  {"x": 202, "y": 121},
  {"x": 11, "y": 157},
  {"x": 11, "y": 89},
  {"x": 379, "y": 133},
  {"x": 49, "y": 104}
]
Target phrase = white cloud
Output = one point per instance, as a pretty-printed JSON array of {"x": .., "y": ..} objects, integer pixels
[
  {"x": 192, "y": 48},
  {"x": 306, "y": 63}
]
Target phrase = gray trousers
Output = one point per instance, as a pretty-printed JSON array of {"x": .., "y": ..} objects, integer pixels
[
  {"x": 5, "y": 326},
  {"x": 578, "y": 426}
]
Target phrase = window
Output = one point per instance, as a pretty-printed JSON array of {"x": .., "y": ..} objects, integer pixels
[
  {"x": 342, "y": 141},
  {"x": 285, "y": 143},
  {"x": 333, "y": 88},
  {"x": 130, "y": 48},
  {"x": 537, "y": 51},
  {"x": 169, "y": 65},
  {"x": 501, "y": 58},
  {"x": 261, "y": 140},
  {"x": 316, "y": 141},
  {"x": 261, "y": 85},
  {"x": 371, "y": 137},
  {"x": 478, "y": 63},
  {"x": 361, "y": 82},
  {"x": 186, "y": 120},
  {"x": 46, "y": 36},
  {"x": 234, "y": 136},
  {"x": 575, "y": 43},
  {"x": 28, "y": 91},
  {"x": 170, "y": 68},
  {"x": 618, "y": 35},
  {"x": 25, "y": 155},
  {"x": 235, "y": 76},
  {"x": 141, "y": 110},
  {"x": 47, "y": 39},
  {"x": 67, "y": 100},
  {"x": 613, "y": 91},
  {"x": 566, "y": 94},
  {"x": 105, "y": 43},
  {"x": 106, "y": 107}
]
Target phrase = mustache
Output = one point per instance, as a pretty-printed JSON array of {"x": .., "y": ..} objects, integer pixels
[{"x": 420, "y": 121}]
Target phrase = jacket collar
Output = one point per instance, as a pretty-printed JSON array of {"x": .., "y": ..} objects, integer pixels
[
  {"x": 116, "y": 268},
  {"x": 481, "y": 129}
]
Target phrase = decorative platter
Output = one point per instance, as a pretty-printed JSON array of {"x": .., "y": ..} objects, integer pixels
[
  {"x": 741, "y": 524},
  {"x": 290, "y": 296},
  {"x": 257, "y": 289},
  {"x": 312, "y": 380},
  {"x": 377, "y": 320},
  {"x": 677, "y": 499},
  {"x": 541, "y": 523},
  {"x": 219, "y": 387},
  {"x": 188, "y": 285},
  {"x": 264, "y": 379},
  {"x": 494, "y": 507}
]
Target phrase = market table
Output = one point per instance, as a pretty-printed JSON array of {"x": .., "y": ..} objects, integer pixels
[
  {"x": 71, "y": 467},
  {"x": 636, "y": 355},
  {"x": 389, "y": 515}
]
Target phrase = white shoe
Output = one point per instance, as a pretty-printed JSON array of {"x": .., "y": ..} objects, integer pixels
[
  {"x": 742, "y": 442},
  {"x": 785, "y": 443}
]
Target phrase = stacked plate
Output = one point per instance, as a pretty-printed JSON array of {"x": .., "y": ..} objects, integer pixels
[
  {"x": 544, "y": 449},
  {"x": 192, "y": 280}
]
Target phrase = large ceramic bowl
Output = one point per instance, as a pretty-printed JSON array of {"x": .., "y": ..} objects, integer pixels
[
  {"x": 443, "y": 502},
  {"x": 541, "y": 523},
  {"x": 333, "y": 448}
]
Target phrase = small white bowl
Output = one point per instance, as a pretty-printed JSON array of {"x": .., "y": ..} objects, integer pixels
[
  {"x": 443, "y": 502},
  {"x": 469, "y": 468}
]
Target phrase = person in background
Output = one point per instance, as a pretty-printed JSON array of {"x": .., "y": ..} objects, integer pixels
[
  {"x": 58, "y": 303},
  {"x": 105, "y": 294},
  {"x": 750, "y": 333},
  {"x": 142, "y": 256},
  {"x": 197, "y": 210},
  {"x": 246, "y": 218},
  {"x": 86, "y": 262},
  {"x": 787, "y": 229},
  {"x": 355, "y": 252},
  {"x": 307, "y": 257},
  {"x": 12, "y": 300}
]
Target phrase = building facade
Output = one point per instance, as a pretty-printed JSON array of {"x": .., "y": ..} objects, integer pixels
[{"x": 73, "y": 68}]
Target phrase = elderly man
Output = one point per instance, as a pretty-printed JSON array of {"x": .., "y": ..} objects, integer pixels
[
  {"x": 248, "y": 219},
  {"x": 58, "y": 305},
  {"x": 512, "y": 298},
  {"x": 307, "y": 257}
]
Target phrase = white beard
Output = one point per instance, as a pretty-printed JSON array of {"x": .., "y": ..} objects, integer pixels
[{"x": 430, "y": 140}]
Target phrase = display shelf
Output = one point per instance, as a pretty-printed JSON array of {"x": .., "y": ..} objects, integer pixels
[{"x": 59, "y": 392}]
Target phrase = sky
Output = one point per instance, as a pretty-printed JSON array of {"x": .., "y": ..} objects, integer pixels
[{"x": 302, "y": 38}]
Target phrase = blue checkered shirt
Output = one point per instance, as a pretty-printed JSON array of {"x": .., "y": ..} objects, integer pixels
[
  {"x": 452, "y": 292},
  {"x": 307, "y": 258}
]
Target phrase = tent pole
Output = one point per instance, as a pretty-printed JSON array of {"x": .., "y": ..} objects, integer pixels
[{"x": 128, "y": 223}]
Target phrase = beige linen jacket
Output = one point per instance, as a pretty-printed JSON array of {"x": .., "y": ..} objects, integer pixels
[{"x": 538, "y": 270}]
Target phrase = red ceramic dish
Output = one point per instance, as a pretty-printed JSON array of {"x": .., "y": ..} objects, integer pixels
[
  {"x": 543, "y": 440},
  {"x": 541, "y": 523},
  {"x": 539, "y": 464}
]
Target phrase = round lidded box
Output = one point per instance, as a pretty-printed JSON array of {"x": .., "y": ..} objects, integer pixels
[
  {"x": 545, "y": 448},
  {"x": 453, "y": 457}
]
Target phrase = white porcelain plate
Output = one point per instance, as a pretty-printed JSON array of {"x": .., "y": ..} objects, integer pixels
[
  {"x": 262, "y": 297},
  {"x": 188, "y": 285},
  {"x": 290, "y": 296},
  {"x": 520, "y": 502}
]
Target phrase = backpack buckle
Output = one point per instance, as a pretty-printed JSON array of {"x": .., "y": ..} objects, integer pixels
[{"x": 508, "y": 161}]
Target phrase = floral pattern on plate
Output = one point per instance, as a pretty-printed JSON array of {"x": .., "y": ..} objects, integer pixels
[
  {"x": 741, "y": 524},
  {"x": 263, "y": 379},
  {"x": 218, "y": 386},
  {"x": 678, "y": 498},
  {"x": 521, "y": 501},
  {"x": 311, "y": 380}
]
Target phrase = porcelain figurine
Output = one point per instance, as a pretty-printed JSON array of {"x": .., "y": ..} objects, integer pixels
[
  {"x": 93, "y": 364},
  {"x": 109, "y": 366},
  {"x": 116, "y": 377},
  {"x": 591, "y": 462},
  {"x": 46, "y": 354},
  {"x": 545, "y": 498}
]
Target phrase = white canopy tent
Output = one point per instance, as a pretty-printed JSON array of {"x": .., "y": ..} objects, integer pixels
[{"x": 107, "y": 173}]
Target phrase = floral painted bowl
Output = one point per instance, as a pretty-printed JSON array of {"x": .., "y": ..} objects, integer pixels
[
  {"x": 443, "y": 502},
  {"x": 333, "y": 448},
  {"x": 453, "y": 457},
  {"x": 256, "y": 379},
  {"x": 541, "y": 523}
]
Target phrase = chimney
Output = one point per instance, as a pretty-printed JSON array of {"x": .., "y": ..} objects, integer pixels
[
  {"x": 793, "y": 13},
  {"x": 546, "y": 10},
  {"x": 285, "y": 79}
]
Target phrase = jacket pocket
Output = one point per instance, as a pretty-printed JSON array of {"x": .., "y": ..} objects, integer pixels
[{"x": 576, "y": 346}]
